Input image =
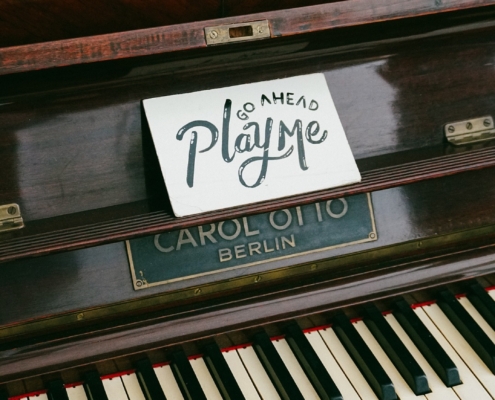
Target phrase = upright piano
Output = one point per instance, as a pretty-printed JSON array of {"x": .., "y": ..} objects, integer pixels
[{"x": 407, "y": 311}]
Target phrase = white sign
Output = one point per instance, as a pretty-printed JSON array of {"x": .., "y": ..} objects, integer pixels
[{"x": 243, "y": 144}]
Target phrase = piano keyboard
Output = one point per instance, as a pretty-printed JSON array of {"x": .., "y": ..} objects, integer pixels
[{"x": 438, "y": 350}]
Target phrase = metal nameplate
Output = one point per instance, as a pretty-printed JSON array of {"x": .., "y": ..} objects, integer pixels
[
  {"x": 247, "y": 241},
  {"x": 10, "y": 217},
  {"x": 222, "y": 34},
  {"x": 470, "y": 131}
]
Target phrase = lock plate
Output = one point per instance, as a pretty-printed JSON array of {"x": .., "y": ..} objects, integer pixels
[
  {"x": 10, "y": 217},
  {"x": 222, "y": 34},
  {"x": 470, "y": 131}
]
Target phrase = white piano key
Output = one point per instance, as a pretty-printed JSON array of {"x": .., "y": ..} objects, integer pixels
[
  {"x": 258, "y": 374},
  {"x": 477, "y": 317},
  {"x": 438, "y": 389},
  {"x": 401, "y": 387},
  {"x": 470, "y": 388},
  {"x": 41, "y": 396},
  {"x": 114, "y": 388},
  {"x": 131, "y": 385},
  {"x": 453, "y": 336},
  {"x": 76, "y": 393},
  {"x": 351, "y": 371},
  {"x": 492, "y": 293},
  {"x": 241, "y": 375},
  {"x": 205, "y": 380},
  {"x": 168, "y": 383},
  {"x": 295, "y": 369},
  {"x": 331, "y": 365}
]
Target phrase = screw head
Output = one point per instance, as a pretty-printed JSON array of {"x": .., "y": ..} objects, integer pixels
[
  {"x": 197, "y": 291},
  {"x": 257, "y": 279},
  {"x": 80, "y": 316},
  {"x": 260, "y": 29},
  {"x": 12, "y": 210},
  {"x": 486, "y": 122},
  {"x": 451, "y": 129},
  {"x": 469, "y": 125},
  {"x": 213, "y": 34}
]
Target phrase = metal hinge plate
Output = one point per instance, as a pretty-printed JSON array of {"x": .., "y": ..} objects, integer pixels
[
  {"x": 470, "y": 131},
  {"x": 10, "y": 217},
  {"x": 237, "y": 32}
]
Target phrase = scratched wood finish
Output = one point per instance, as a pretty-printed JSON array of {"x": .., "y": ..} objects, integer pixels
[
  {"x": 189, "y": 36},
  {"x": 75, "y": 157},
  {"x": 41, "y": 21}
]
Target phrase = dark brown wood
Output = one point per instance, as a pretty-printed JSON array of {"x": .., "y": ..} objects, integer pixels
[
  {"x": 74, "y": 154},
  {"x": 283, "y": 305},
  {"x": 75, "y": 158},
  {"x": 41, "y": 21},
  {"x": 191, "y": 35},
  {"x": 161, "y": 221},
  {"x": 81, "y": 281}
]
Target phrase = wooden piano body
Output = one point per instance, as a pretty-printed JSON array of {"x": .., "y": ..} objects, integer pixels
[{"x": 74, "y": 156}]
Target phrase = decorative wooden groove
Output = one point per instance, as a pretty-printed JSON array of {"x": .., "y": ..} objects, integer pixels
[
  {"x": 190, "y": 36},
  {"x": 161, "y": 221}
]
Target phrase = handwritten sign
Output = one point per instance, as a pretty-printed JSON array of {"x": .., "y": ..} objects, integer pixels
[
  {"x": 243, "y": 242},
  {"x": 243, "y": 144}
]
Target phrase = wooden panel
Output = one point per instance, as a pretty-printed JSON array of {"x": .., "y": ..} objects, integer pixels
[
  {"x": 191, "y": 36},
  {"x": 36, "y": 21},
  {"x": 97, "y": 282},
  {"x": 200, "y": 323},
  {"x": 80, "y": 146}
]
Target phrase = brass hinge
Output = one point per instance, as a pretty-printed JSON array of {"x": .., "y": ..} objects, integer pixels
[
  {"x": 237, "y": 32},
  {"x": 470, "y": 131},
  {"x": 10, "y": 218}
]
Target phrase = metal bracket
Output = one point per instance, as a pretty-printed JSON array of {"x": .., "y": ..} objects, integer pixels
[
  {"x": 10, "y": 218},
  {"x": 470, "y": 131},
  {"x": 222, "y": 34}
]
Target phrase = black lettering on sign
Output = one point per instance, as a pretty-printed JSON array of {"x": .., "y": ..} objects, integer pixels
[{"x": 252, "y": 138}]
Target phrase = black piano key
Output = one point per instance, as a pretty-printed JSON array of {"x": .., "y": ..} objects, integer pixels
[
  {"x": 93, "y": 386},
  {"x": 396, "y": 351},
  {"x": 431, "y": 350},
  {"x": 186, "y": 378},
  {"x": 148, "y": 381},
  {"x": 483, "y": 302},
  {"x": 275, "y": 368},
  {"x": 468, "y": 328},
  {"x": 221, "y": 373},
  {"x": 56, "y": 390},
  {"x": 364, "y": 358},
  {"x": 311, "y": 364},
  {"x": 4, "y": 395}
]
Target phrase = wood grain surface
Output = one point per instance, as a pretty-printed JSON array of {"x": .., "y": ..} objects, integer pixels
[
  {"x": 187, "y": 36},
  {"x": 76, "y": 157},
  {"x": 82, "y": 281}
]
